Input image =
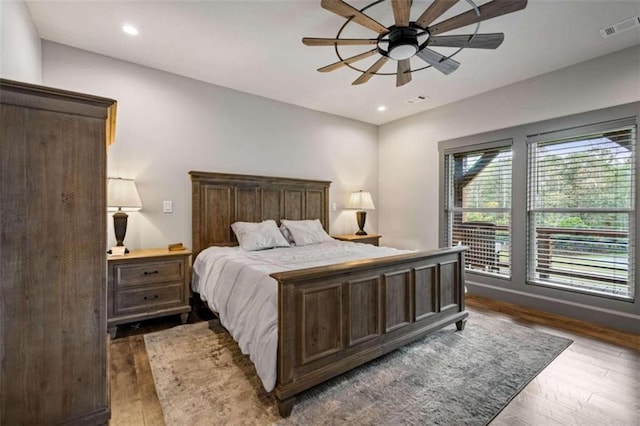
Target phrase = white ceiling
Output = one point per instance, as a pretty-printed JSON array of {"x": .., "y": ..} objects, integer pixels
[{"x": 255, "y": 47}]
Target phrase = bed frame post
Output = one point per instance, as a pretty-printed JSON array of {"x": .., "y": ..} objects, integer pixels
[
  {"x": 285, "y": 406},
  {"x": 460, "y": 324}
]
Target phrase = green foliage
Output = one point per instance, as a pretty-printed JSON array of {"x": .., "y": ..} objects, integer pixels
[
  {"x": 573, "y": 175},
  {"x": 571, "y": 222},
  {"x": 496, "y": 218},
  {"x": 594, "y": 178}
]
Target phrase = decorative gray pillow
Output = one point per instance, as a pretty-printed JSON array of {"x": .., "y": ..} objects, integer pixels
[
  {"x": 258, "y": 236},
  {"x": 305, "y": 232}
]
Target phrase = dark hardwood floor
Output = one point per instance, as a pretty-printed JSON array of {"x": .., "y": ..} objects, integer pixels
[{"x": 596, "y": 381}]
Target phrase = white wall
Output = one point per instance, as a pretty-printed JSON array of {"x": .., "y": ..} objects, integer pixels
[
  {"x": 168, "y": 125},
  {"x": 20, "y": 46},
  {"x": 408, "y": 149}
]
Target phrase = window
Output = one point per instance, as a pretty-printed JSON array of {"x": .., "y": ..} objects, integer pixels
[
  {"x": 478, "y": 207},
  {"x": 581, "y": 209}
]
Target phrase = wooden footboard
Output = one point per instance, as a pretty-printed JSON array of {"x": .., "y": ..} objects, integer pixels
[{"x": 334, "y": 318}]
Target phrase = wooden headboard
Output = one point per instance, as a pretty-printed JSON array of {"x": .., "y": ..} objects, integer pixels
[{"x": 220, "y": 199}]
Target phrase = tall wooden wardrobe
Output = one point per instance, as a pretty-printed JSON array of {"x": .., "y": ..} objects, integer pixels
[{"x": 53, "y": 350}]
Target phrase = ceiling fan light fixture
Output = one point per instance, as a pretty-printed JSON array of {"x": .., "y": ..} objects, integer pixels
[
  {"x": 403, "y": 51},
  {"x": 403, "y": 44}
]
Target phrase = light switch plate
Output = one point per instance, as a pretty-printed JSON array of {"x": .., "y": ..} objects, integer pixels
[
  {"x": 167, "y": 206},
  {"x": 334, "y": 207}
]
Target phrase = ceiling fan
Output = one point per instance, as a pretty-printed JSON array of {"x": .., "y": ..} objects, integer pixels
[{"x": 406, "y": 39}]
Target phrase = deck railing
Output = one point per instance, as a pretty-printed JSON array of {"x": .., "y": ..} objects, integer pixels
[
  {"x": 583, "y": 254},
  {"x": 568, "y": 254}
]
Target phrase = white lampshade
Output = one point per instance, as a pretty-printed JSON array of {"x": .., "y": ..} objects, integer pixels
[
  {"x": 361, "y": 200},
  {"x": 122, "y": 193}
]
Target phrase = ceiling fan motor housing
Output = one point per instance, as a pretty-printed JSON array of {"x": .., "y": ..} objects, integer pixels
[{"x": 403, "y": 44}]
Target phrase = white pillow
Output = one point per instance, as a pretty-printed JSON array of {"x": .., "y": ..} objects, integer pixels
[
  {"x": 305, "y": 232},
  {"x": 258, "y": 236}
]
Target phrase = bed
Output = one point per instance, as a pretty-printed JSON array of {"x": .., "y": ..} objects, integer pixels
[{"x": 330, "y": 318}]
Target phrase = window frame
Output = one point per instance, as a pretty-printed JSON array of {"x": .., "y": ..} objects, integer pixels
[
  {"x": 585, "y": 131},
  {"x": 616, "y": 313},
  {"x": 447, "y": 210}
]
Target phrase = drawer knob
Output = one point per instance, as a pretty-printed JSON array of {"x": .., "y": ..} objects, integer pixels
[
  {"x": 155, "y": 296},
  {"x": 150, "y": 272}
]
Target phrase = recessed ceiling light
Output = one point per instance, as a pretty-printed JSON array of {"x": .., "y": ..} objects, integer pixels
[
  {"x": 382, "y": 108},
  {"x": 130, "y": 29}
]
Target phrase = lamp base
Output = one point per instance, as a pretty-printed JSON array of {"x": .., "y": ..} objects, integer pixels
[
  {"x": 361, "y": 218},
  {"x": 120, "y": 228}
]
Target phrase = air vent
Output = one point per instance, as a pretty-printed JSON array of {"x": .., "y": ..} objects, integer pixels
[
  {"x": 621, "y": 26},
  {"x": 416, "y": 99}
]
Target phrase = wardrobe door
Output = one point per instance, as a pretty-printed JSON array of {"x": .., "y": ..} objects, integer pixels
[{"x": 52, "y": 265}]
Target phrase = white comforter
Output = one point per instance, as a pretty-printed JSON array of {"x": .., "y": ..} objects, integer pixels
[{"x": 236, "y": 284}]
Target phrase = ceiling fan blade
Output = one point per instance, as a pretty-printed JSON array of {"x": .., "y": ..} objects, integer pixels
[
  {"x": 401, "y": 12},
  {"x": 366, "y": 76},
  {"x": 346, "y": 11},
  {"x": 350, "y": 60},
  {"x": 312, "y": 41},
  {"x": 487, "y": 11},
  {"x": 439, "y": 62},
  {"x": 479, "y": 41},
  {"x": 403, "y": 76},
  {"x": 434, "y": 11}
]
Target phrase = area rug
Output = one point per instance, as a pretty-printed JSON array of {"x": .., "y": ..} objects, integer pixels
[{"x": 448, "y": 378}]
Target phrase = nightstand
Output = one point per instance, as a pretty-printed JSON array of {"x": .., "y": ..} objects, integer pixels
[
  {"x": 372, "y": 239},
  {"x": 147, "y": 284}
]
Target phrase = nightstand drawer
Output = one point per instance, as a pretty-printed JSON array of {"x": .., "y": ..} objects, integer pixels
[
  {"x": 149, "y": 272},
  {"x": 145, "y": 298},
  {"x": 147, "y": 284}
]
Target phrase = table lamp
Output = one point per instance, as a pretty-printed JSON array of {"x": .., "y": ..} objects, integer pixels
[
  {"x": 122, "y": 196},
  {"x": 361, "y": 201}
]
